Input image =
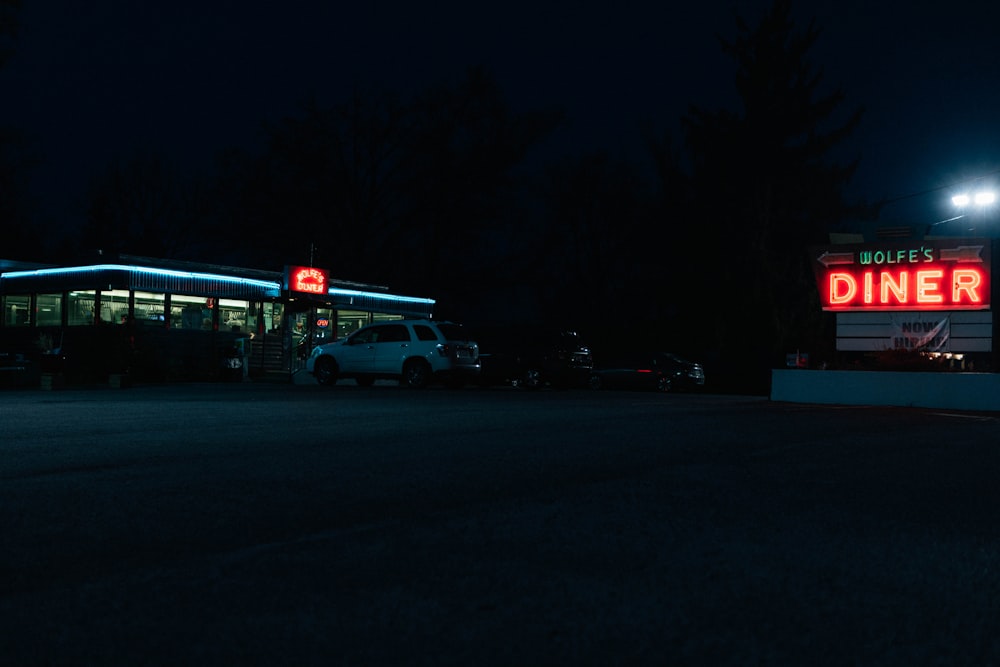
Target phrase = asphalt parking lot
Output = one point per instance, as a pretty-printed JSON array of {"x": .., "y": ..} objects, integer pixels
[{"x": 295, "y": 524}]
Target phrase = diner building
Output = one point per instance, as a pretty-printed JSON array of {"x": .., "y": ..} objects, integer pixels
[{"x": 160, "y": 320}]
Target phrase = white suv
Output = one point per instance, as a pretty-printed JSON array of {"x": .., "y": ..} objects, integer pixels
[{"x": 412, "y": 351}]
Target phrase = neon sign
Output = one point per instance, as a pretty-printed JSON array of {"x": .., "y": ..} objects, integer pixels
[
  {"x": 933, "y": 275},
  {"x": 307, "y": 279}
]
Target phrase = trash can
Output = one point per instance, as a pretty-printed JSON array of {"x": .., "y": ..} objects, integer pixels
[
  {"x": 232, "y": 366},
  {"x": 243, "y": 352}
]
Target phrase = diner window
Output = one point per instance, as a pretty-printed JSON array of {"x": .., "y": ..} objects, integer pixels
[
  {"x": 233, "y": 315},
  {"x": 253, "y": 318},
  {"x": 114, "y": 306},
  {"x": 300, "y": 327},
  {"x": 272, "y": 314},
  {"x": 323, "y": 328},
  {"x": 349, "y": 321},
  {"x": 80, "y": 307},
  {"x": 48, "y": 310},
  {"x": 191, "y": 312},
  {"x": 384, "y": 317},
  {"x": 150, "y": 308},
  {"x": 17, "y": 311}
]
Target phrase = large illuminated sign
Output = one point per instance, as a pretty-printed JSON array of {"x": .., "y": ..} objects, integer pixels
[
  {"x": 307, "y": 279},
  {"x": 942, "y": 274}
]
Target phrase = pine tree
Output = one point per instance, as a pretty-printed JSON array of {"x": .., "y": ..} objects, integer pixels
[{"x": 764, "y": 182}]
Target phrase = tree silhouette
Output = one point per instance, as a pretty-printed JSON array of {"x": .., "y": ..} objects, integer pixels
[
  {"x": 592, "y": 250},
  {"x": 16, "y": 158},
  {"x": 385, "y": 191},
  {"x": 8, "y": 28},
  {"x": 327, "y": 183},
  {"x": 763, "y": 187},
  {"x": 464, "y": 182},
  {"x": 144, "y": 205}
]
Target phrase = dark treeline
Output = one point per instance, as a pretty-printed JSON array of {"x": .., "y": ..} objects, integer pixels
[
  {"x": 445, "y": 195},
  {"x": 16, "y": 160}
]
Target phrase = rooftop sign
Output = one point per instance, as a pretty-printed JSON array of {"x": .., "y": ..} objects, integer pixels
[
  {"x": 307, "y": 279},
  {"x": 940, "y": 274}
]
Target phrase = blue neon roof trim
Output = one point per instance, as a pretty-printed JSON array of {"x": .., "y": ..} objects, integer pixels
[
  {"x": 381, "y": 302},
  {"x": 175, "y": 281},
  {"x": 134, "y": 277},
  {"x": 143, "y": 269},
  {"x": 337, "y": 291}
]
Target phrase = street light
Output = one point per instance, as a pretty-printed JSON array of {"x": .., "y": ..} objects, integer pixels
[{"x": 981, "y": 199}]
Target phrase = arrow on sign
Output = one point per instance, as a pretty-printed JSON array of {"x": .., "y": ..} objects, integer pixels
[
  {"x": 831, "y": 258},
  {"x": 963, "y": 253}
]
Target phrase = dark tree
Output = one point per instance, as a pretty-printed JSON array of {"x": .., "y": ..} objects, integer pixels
[
  {"x": 464, "y": 183},
  {"x": 326, "y": 188},
  {"x": 590, "y": 253},
  {"x": 387, "y": 192},
  {"x": 16, "y": 207},
  {"x": 145, "y": 205},
  {"x": 764, "y": 187},
  {"x": 16, "y": 159},
  {"x": 8, "y": 28}
]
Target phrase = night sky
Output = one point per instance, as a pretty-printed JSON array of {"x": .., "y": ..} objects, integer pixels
[{"x": 97, "y": 79}]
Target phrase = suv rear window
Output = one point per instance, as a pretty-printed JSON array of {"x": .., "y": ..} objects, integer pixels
[{"x": 424, "y": 332}]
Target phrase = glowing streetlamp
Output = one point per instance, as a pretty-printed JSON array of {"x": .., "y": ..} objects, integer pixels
[{"x": 981, "y": 198}]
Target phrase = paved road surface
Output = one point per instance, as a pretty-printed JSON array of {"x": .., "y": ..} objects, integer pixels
[{"x": 278, "y": 524}]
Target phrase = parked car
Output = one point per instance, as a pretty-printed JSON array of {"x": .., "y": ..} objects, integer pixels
[
  {"x": 655, "y": 371},
  {"x": 531, "y": 359},
  {"x": 416, "y": 352}
]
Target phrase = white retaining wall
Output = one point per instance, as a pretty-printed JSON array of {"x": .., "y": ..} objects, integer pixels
[{"x": 953, "y": 391}]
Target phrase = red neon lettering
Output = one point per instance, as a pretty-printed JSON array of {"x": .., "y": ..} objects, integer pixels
[
  {"x": 967, "y": 281},
  {"x": 843, "y": 288},
  {"x": 924, "y": 288},
  {"x": 310, "y": 280},
  {"x": 898, "y": 288},
  {"x": 928, "y": 287}
]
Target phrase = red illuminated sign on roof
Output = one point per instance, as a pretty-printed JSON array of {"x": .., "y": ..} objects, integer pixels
[
  {"x": 307, "y": 279},
  {"x": 930, "y": 275}
]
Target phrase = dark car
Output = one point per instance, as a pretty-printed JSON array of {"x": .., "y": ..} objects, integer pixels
[
  {"x": 532, "y": 359},
  {"x": 653, "y": 371}
]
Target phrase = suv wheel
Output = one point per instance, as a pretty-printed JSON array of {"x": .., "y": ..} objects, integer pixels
[
  {"x": 326, "y": 371},
  {"x": 664, "y": 384},
  {"x": 416, "y": 374}
]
